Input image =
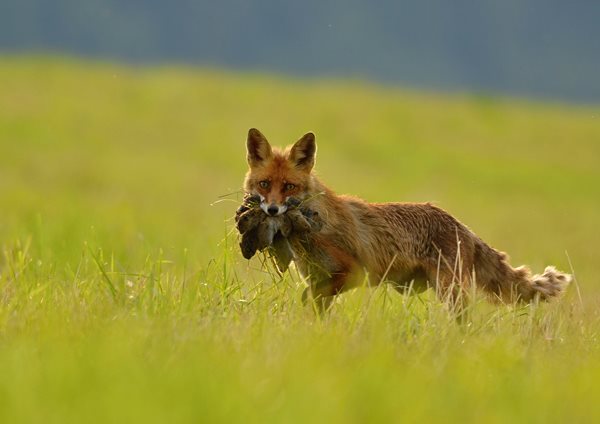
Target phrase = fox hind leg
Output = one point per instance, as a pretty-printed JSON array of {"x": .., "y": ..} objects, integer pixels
[{"x": 452, "y": 285}]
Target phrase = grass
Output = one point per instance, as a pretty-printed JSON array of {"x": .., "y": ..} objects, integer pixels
[{"x": 123, "y": 295}]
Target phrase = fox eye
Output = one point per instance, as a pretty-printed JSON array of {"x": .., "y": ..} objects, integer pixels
[
  {"x": 263, "y": 184},
  {"x": 290, "y": 187}
]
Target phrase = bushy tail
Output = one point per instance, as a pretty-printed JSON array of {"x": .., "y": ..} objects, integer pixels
[{"x": 495, "y": 275}]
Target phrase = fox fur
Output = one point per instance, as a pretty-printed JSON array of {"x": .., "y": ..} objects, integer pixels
[{"x": 415, "y": 245}]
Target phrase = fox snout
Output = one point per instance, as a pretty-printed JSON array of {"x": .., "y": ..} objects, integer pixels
[{"x": 273, "y": 209}]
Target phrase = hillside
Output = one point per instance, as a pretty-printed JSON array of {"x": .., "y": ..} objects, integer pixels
[{"x": 159, "y": 146}]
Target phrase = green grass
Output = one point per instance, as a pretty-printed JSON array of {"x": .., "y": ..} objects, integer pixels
[{"x": 123, "y": 295}]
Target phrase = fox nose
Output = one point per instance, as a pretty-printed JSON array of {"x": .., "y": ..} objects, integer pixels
[{"x": 272, "y": 210}]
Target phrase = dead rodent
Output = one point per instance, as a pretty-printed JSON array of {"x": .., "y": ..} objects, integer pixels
[{"x": 260, "y": 231}]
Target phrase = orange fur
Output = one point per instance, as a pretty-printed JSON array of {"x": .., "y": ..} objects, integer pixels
[{"x": 416, "y": 244}]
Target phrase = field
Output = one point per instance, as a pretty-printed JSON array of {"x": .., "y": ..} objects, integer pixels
[{"x": 124, "y": 298}]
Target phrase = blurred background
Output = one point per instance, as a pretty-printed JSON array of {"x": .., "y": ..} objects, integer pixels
[
  {"x": 527, "y": 48},
  {"x": 125, "y": 122}
]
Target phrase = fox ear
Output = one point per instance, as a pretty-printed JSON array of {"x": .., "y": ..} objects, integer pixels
[
  {"x": 258, "y": 147},
  {"x": 303, "y": 152}
]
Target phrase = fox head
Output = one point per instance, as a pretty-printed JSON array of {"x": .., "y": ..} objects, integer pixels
[{"x": 276, "y": 175}]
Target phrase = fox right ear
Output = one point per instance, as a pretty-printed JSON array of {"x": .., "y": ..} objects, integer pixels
[
  {"x": 258, "y": 147},
  {"x": 303, "y": 152}
]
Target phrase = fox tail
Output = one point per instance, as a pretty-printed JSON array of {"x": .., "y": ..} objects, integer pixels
[{"x": 498, "y": 278}]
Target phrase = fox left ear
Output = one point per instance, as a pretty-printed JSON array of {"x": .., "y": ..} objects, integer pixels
[
  {"x": 303, "y": 152},
  {"x": 259, "y": 149}
]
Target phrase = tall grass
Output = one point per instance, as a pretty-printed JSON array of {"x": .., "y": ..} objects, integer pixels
[{"x": 123, "y": 296}]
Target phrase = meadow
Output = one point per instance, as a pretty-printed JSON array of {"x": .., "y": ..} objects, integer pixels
[{"x": 124, "y": 297}]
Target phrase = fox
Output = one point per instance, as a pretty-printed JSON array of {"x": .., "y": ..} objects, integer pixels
[{"x": 412, "y": 246}]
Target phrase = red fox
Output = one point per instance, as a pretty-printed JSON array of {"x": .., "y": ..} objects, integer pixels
[{"x": 416, "y": 245}]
